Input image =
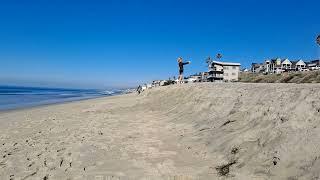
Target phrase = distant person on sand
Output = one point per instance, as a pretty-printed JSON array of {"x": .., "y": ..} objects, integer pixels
[
  {"x": 181, "y": 64},
  {"x": 139, "y": 89}
]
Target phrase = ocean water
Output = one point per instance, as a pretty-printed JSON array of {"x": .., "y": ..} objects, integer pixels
[{"x": 22, "y": 97}]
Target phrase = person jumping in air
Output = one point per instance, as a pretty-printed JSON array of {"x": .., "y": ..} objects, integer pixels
[{"x": 181, "y": 64}]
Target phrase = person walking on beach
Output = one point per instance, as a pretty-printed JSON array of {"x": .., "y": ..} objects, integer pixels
[
  {"x": 181, "y": 68},
  {"x": 139, "y": 89}
]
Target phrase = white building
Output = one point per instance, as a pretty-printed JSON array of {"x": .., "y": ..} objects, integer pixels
[
  {"x": 277, "y": 66},
  {"x": 257, "y": 67},
  {"x": 286, "y": 65},
  {"x": 224, "y": 71},
  {"x": 191, "y": 80},
  {"x": 267, "y": 66},
  {"x": 314, "y": 65},
  {"x": 197, "y": 77},
  {"x": 158, "y": 83},
  {"x": 300, "y": 65}
]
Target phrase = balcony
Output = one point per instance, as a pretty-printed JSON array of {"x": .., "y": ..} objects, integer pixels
[
  {"x": 216, "y": 76},
  {"x": 214, "y": 70}
]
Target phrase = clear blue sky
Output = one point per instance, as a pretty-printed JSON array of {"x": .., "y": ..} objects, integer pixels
[{"x": 120, "y": 42}]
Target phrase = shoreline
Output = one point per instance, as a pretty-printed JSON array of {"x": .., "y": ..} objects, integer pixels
[{"x": 52, "y": 104}]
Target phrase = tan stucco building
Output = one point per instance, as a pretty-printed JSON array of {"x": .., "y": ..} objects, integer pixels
[{"x": 224, "y": 71}]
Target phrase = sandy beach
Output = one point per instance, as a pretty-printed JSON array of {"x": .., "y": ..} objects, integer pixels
[{"x": 192, "y": 131}]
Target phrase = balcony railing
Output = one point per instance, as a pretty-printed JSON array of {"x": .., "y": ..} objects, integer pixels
[
  {"x": 215, "y": 70},
  {"x": 216, "y": 76}
]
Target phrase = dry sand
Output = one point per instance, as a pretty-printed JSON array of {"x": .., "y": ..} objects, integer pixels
[{"x": 196, "y": 131}]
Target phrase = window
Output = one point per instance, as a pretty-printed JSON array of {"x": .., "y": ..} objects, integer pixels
[
  {"x": 226, "y": 67},
  {"x": 233, "y": 74},
  {"x": 226, "y": 74},
  {"x": 234, "y": 67}
]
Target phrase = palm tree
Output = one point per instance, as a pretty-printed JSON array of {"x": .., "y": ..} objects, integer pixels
[
  {"x": 219, "y": 56},
  {"x": 209, "y": 60}
]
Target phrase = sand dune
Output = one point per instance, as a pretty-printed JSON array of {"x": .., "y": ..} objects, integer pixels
[{"x": 195, "y": 131}]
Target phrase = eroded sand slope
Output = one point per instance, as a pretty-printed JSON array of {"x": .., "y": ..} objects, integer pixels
[{"x": 204, "y": 131}]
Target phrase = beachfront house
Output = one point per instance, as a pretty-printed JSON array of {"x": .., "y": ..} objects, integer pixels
[
  {"x": 299, "y": 65},
  {"x": 223, "y": 71},
  {"x": 204, "y": 76},
  {"x": 196, "y": 77},
  {"x": 157, "y": 83},
  {"x": 200, "y": 77},
  {"x": 190, "y": 80},
  {"x": 215, "y": 72},
  {"x": 277, "y": 66},
  {"x": 313, "y": 65},
  {"x": 257, "y": 67},
  {"x": 245, "y": 70},
  {"x": 267, "y": 66},
  {"x": 286, "y": 65}
]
